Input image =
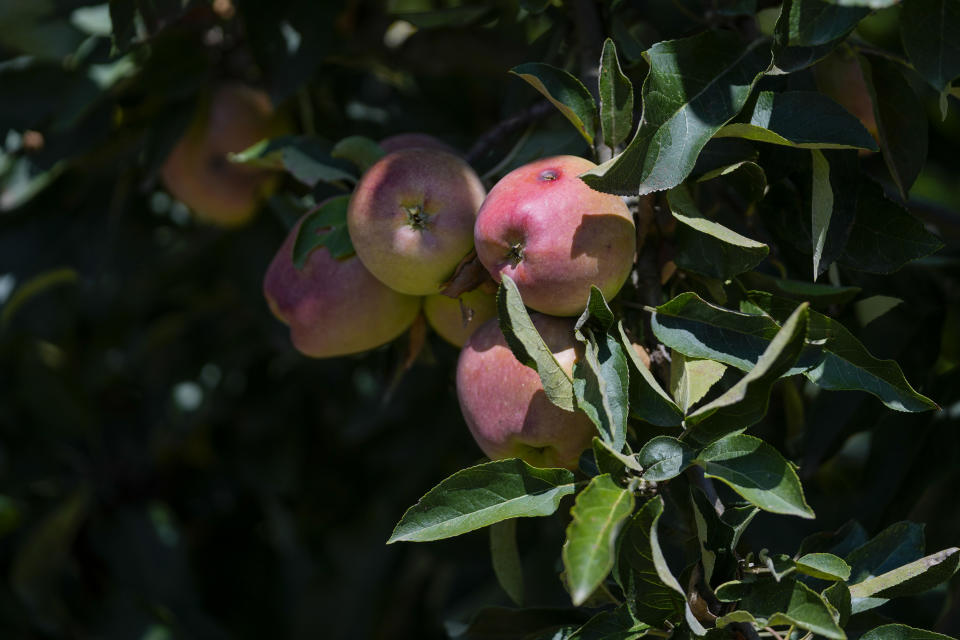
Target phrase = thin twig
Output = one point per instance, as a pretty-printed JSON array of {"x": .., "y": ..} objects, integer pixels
[
  {"x": 493, "y": 137},
  {"x": 773, "y": 633}
]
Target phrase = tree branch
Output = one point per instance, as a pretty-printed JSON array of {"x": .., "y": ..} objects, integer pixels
[{"x": 495, "y": 135}]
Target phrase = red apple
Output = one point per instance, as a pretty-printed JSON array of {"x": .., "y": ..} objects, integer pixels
[
  {"x": 455, "y": 319},
  {"x": 555, "y": 236},
  {"x": 505, "y": 406},
  {"x": 411, "y": 218},
  {"x": 197, "y": 171},
  {"x": 334, "y": 307}
]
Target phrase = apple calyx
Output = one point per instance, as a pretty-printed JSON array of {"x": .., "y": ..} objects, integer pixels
[{"x": 416, "y": 216}]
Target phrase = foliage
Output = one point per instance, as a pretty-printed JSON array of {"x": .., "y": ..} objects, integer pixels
[{"x": 169, "y": 466}]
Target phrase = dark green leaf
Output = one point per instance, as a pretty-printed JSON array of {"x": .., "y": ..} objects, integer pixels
[
  {"x": 360, "y": 151},
  {"x": 837, "y": 596},
  {"x": 746, "y": 402},
  {"x": 695, "y": 85},
  {"x": 756, "y": 471},
  {"x": 506, "y": 558},
  {"x": 529, "y": 347},
  {"x": 479, "y": 496},
  {"x": 500, "y": 623},
  {"x": 601, "y": 378},
  {"x": 845, "y": 364},
  {"x": 929, "y": 30},
  {"x": 821, "y": 209},
  {"x": 699, "y": 329},
  {"x": 613, "y": 462},
  {"x": 306, "y": 159},
  {"x": 747, "y": 178},
  {"x": 451, "y": 17},
  {"x": 617, "y": 624},
  {"x": 808, "y": 30},
  {"x": 885, "y": 236},
  {"x": 771, "y": 603},
  {"x": 648, "y": 400},
  {"x": 325, "y": 226},
  {"x": 804, "y": 119},
  {"x": 616, "y": 97},
  {"x": 901, "y": 120},
  {"x": 122, "y": 19},
  {"x": 840, "y": 542},
  {"x": 649, "y": 598},
  {"x": 780, "y": 565},
  {"x": 895, "y": 546},
  {"x": 717, "y": 538},
  {"x": 664, "y": 457},
  {"x": 825, "y": 566},
  {"x": 815, "y": 293},
  {"x": 909, "y": 579},
  {"x": 597, "y": 516},
  {"x": 707, "y": 247},
  {"x": 901, "y": 632},
  {"x": 565, "y": 92}
]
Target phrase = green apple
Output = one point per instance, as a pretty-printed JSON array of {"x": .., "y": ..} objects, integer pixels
[{"x": 455, "y": 319}]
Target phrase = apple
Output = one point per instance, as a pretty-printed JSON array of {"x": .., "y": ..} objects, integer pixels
[
  {"x": 505, "y": 406},
  {"x": 455, "y": 319},
  {"x": 555, "y": 236},
  {"x": 411, "y": 218},
  {"x": 197, "y": 172},
  {"x": 415, "y": 141},
  {"x": 334, "y": 307}
]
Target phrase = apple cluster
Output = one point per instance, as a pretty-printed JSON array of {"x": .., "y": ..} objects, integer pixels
[{"x": 414, "y": 217}]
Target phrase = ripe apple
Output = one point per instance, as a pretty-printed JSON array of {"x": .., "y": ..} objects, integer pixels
[
  {"x": 455, "y": 319},
  {"x": 555, "y": 236},
  {"x": 334, "y": 307},
  {"x": 411, "y": 218},
  {"x": 197, "y": 171},
  {"x": 505, "y": 406},
  {"x": 415, "y": 141}
]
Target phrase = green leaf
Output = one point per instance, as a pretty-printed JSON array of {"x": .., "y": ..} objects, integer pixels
[
  {"x": 837, "y": 596},
  {"x": 613, "y": 462},
  {"x": 597, "y": 516},
  {"x": 825, "y": 566},
  {"x": 815, "y": 293},
  {"x": 821, "y": 209},
  {"x": 901, "y": 120},
  {"x": 362, "y": 152},
  {"x": 885, "y": 236},
  {"x": 565, "y": 92},
  {"x": 616, "y": 97},
  {"x": 756, "y": 471},
  {"x": 648, "y": 400},
  {"x": 649, "y": 598},
  {"x": 717, "y": 537},
  {"x": 808, "y": 30},
  {"x": 506, "y": 558},
  {"x": 692, "y": 378},
  {"x": 664, "y": 457},
  {"x": 901, "y": 632},
  {"x": 840, "y": 542},
  {"x": 529, "y": 347},
  {"x": 780, "y": 565},
  {"x": 306, "y": 159},
  {"x": 325, "y": 226},
  {"x": 845, "y": 364},
  {"x": 771, "y": 603},
  {"x": 895, "y": 546},
  {"x": 871, "y": 4},
  {"x": 915, "y": 577},
  {"x": 746, "y": 402},
  {"x": 501, "y": 623},
  {"x": 747, "y": 178},
  {"x": 601, "y": 378},
  {"x": 707, "y": 247},
  {"x": 694, "y": 86},
  {"x": 929, "y": 30},
  {"x": 479, "y": 496},
  {"x": 617, "y": 624},
  {"x": 699, "y": 329},
  {"x": 802, "y": 119}
]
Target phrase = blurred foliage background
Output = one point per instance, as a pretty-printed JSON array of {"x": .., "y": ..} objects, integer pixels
[{"x": 171, "y": 467}]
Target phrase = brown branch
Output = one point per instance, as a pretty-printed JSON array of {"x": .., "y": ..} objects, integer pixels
[{"x": 495, "y": 135}]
